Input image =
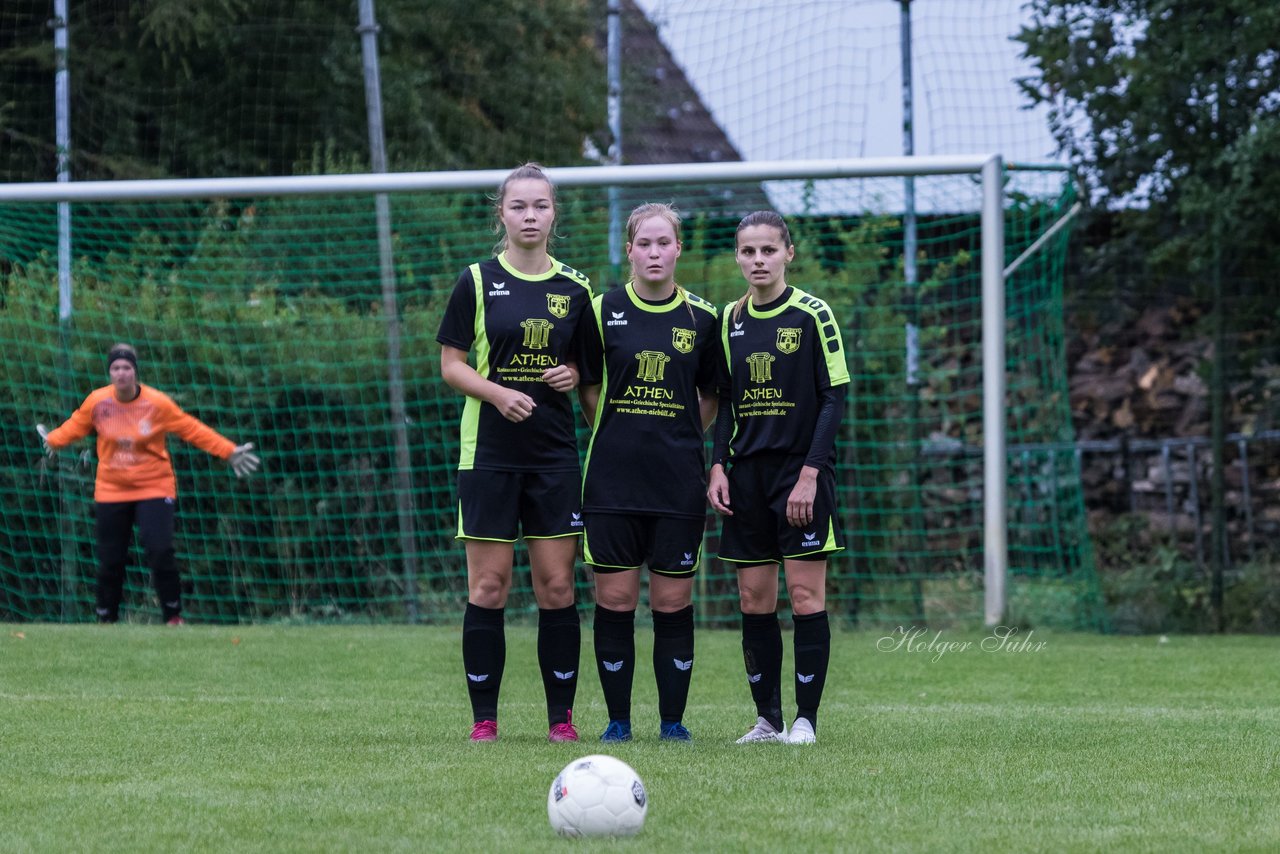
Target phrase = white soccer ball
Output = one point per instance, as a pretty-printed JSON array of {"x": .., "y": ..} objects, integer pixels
[{"x": 597, "y": 795}]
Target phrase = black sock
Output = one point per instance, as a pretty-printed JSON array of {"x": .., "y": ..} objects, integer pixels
[
  {"x": 169, "y": 591},
  {"x": 484, "y": 654},
  {"x": 673, "y": 660},
  {"x": 108, "y": 592},
  {"x": 559, "y": 641},
  {"x": 615, "y": 639},
  {"x": 762, "y": 652},
  {"x": 813, "y": 650}
]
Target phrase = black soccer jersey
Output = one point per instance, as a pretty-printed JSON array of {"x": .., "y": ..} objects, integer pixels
[
  {"x": 646, "y": 451},
  {"x": 518, "y": 326},
  {"x": 778, "y": 358}
]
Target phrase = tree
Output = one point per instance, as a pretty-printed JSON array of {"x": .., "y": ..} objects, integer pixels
[
  {"x": 202, "y": 88},
  {"x": 1171, "y": 112}
]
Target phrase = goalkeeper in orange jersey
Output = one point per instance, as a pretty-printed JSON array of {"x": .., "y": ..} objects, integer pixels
[{"x": 135, "y": 484}]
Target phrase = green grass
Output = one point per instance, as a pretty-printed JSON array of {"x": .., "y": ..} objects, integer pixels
[{"x": 140, "y": 738}]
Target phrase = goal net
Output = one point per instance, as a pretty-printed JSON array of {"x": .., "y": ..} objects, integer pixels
[{"x": 266, "y": 310}]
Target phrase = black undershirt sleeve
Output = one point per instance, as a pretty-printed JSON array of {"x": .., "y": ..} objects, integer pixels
[
  {"x": 830, "y": 408},
  {"x": 724, "y": 430}
]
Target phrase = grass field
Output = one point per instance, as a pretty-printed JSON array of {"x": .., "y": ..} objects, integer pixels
[{"x": 139, "y": 738}]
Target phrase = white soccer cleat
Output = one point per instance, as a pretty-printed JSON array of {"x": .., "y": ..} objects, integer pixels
[
  {"x": 801, "y": 732},
  {"x": 764, "y": 731}
]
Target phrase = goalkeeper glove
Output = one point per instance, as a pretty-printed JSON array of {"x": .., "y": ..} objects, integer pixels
[
  {"x": 44, "y": 439},
  {"x": 243, "y": 461}
]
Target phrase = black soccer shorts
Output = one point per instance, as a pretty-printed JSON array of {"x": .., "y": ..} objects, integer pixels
[
  {"x": 503, "y": 505},
  {"x": 758, "y": 531},
  {"x": 670, "y": 545}
]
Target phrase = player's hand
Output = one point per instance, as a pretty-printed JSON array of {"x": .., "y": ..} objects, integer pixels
[
  {"x": 44, "y": 439},
  {"x": 515, "y": 406},
  {"x": 561, "y": 378},
  {"x": 243, "y": 461},
  {"x": 800, "y": 501},
  {"x": 718, "y": 490}
]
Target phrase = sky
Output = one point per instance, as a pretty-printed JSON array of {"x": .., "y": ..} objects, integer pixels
[{"x": 792, "y": 79}]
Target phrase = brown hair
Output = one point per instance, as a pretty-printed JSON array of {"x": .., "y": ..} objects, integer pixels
[
  {"x": 773, "y": 219},
  {"x": 526, "y": 170},
  {"x": 668, "y": 213}
]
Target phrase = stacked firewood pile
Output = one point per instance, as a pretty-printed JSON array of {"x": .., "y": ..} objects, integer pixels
[
  {"x": 1140, "y": 380},
  {"x": 1141, "y": 411}
]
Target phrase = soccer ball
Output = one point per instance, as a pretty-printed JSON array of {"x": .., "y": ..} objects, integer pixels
[{"x": 597, "y": 796}]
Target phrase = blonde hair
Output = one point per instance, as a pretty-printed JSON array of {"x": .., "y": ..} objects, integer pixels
[
  {"x": 773, "y": 219},
  {"x": 527, "y": 170},
  {"x": 669, "y": 214}
]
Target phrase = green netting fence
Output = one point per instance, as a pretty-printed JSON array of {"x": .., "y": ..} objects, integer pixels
[{"x": 264, "y": 317}]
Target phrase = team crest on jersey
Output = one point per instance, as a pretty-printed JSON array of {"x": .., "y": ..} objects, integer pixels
[
  {"x": 558, "y": 305},
  {"x": 788, "y": 340},
  {"x": 682, "y": 339}
]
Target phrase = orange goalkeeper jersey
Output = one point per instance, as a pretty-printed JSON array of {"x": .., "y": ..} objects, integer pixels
[{"x": 133, "y": 462}]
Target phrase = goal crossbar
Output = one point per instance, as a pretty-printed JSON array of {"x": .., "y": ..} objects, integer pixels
[{"x": 566, "y": 176}]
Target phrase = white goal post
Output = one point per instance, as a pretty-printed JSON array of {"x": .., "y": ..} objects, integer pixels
[{"x": 989, "y": 169}]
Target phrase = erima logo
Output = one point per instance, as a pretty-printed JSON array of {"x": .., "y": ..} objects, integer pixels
[
  {"x": 810, "y": 539},
  {"x": 754, "y": 677},
  {"x": 611, "y": 666},
  {"x": 617, "y": 319},
  {"x": 499, "y": 290},
  {"x": 577, "y": 520},
  {"x": 563, "y": 677},
  {"x": 688, "y": 559},
  {"x": 805, "y": 679},
  {"x": 477, "y": 677},
  {"x": 682, "y": 665},
  {"x": 175, "y": 603},
  {"x": 737, "y": 329}
]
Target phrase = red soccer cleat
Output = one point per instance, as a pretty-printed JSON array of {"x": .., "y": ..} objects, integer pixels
[
  {"x": 482, "y": 731},
  {"x": 564, "y": 731}
]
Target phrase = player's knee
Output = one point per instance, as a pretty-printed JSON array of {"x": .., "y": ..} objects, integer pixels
[
  {"x": 754, "y": 600},
  {"x": 805, "y": 599},
  {"x": 556, "y": 593},
  {"x": 488, "y": 591},
  {"x": 669, "y": 602},
  {"x": 616, "y": 600}
]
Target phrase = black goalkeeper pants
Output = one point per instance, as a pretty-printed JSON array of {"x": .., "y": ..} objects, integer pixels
[{"x": 114, "y": 525}]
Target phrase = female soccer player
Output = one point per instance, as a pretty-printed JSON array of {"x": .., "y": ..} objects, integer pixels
[
  {"x": 518, "y": 470},
  {"x": 653, "y": 350},
  {"x": 135, "y": 484},
  {"x": 783, "y": 375}
]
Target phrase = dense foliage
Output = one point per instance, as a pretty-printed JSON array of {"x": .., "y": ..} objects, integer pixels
[
  {"x": 1171, "y": 112},
  {"x": 263, "y": 84}
]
